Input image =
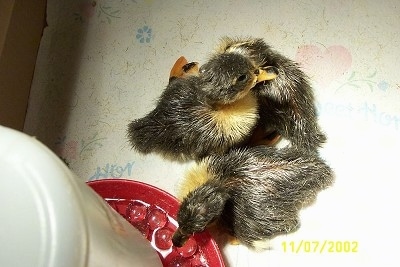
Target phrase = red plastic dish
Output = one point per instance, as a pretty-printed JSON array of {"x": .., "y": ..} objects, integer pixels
[{"x": 127, "y": 196}]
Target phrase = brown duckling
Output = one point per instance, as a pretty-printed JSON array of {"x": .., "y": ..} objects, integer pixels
[
  {"x": 199, "y": 115},
  {"x": 286, "y": 103},
  {"x": 254, "y": 193},
  {"x": 183, "y": 68}
]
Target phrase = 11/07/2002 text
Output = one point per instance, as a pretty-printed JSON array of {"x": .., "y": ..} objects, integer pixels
[{"x": 323, "y": 246}]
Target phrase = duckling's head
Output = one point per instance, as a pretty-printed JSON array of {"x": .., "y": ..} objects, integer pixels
[
  {"x": 228, "y": 77},
  {"x": 252, "y": 48},
  {"x": 198, "y": 209}
]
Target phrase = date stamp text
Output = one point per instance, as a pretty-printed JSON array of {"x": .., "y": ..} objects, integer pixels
[{"x": 320, "y": 246}]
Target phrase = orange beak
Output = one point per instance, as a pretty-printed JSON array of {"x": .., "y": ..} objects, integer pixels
[{"x": 267, "y": 73}]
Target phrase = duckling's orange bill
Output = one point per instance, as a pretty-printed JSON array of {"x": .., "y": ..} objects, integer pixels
[{"x": 267, "y": 73}]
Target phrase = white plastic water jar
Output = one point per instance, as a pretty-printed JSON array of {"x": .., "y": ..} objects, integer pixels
[{"x": 50, "y": 218}]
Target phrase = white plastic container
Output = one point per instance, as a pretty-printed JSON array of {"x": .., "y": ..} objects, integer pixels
[{"x": 50, "y": 218}]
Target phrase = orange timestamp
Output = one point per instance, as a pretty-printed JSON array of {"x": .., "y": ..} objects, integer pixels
[{"x": 320, "y": 246}]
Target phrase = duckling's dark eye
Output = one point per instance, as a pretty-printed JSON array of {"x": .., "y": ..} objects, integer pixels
[{"x": 242, "y": 78}]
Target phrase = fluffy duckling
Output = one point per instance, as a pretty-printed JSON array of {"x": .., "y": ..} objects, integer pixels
[
  {"x": 254, "y": 193},
  {"x": 199, "y": 115},
  {"x": 286, "y": 103},
  {"x": 183, "y": 68}
]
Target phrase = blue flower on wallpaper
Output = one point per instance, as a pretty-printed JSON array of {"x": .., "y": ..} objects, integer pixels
[
  {"x": 383, "y": 85},
  {"x": 144, "y": 34}
]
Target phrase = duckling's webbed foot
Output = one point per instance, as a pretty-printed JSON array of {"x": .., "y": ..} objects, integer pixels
[
  {"x": 263, "y": 136},
  {"x": 182, "y": 68}
]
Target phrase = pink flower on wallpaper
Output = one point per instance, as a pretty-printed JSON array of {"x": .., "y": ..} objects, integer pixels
[{"x": 324, "y": 65}]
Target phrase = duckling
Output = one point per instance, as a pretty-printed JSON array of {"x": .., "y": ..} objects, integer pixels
[
  {"x": 182, "y": 68},
  {"x": 199, "y": 115},
  {"x": 286, "y": 103},
  {"x": 255, "y": 193}
]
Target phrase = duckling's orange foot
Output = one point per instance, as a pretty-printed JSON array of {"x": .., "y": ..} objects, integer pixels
[
  {"x": 233, "y": 241},
  {"x": 191, "y": 68},
  {"x": 270, "y": 139},
  {"x": 261, "y": 136},
  {"x": 183, "y": 68},
  {"x": 177, "y": 68}
]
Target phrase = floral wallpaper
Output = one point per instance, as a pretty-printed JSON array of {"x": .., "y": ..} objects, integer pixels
[{"x": 103, "y": 63}]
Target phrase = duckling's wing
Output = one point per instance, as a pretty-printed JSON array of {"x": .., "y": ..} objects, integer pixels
[{"x": 167, "y": 129}]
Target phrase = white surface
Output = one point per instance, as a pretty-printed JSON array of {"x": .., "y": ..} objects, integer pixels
[
  {"x": 52, "y": 219},
  {"x": 94, "y": 75}
]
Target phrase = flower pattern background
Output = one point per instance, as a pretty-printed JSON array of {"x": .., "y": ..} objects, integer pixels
[
  {"x": 103, "y": 63},
  {"x": 144, "y": 34}
]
